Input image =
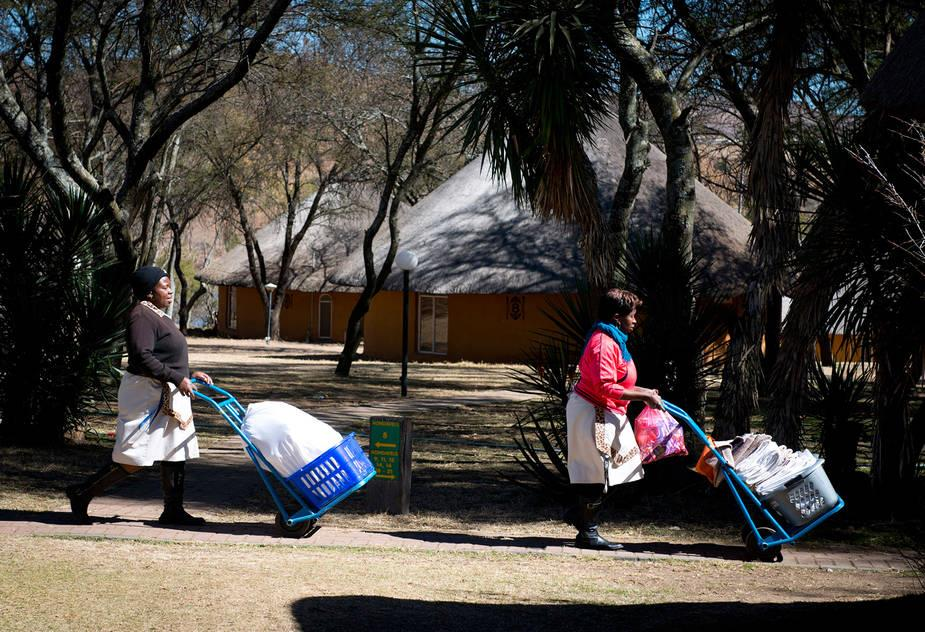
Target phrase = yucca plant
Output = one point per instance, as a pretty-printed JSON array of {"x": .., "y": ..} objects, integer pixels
[
  {"x": 671, "y": 341},
  {"x": 540, "y": 431},
  {"x": 840, "y": 400},
  {"x": 540, "y": 435},
  {"x": 61, "y": 309}
]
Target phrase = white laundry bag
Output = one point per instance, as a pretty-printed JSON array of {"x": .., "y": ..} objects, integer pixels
[{"x": 289, "y": 438}]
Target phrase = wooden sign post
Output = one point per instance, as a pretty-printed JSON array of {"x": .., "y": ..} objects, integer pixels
[{"x": 390, "y": 452}]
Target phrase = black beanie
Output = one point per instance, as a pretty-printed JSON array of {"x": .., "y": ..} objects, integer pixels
[{"x": 144, "y": 279}]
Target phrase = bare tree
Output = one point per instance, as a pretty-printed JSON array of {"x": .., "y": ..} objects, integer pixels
[
  {"x": 406, "y": 137},
  {"x": 274, "y": 153},
  {"x": 93, "y": 91}
]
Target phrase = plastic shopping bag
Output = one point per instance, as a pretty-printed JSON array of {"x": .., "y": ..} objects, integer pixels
[
  {"x": 708, "y": 466},
  {"x": 658, "y": 435},
  {"x": 287, "y": 437}
]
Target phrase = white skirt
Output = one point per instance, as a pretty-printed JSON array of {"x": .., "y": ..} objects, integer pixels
[
  {"x": 586, "y": 464},
  {"x": 142, "y": 441}
]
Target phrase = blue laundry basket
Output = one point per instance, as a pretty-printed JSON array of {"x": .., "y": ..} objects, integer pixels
[{"x": 335, "y": 473}]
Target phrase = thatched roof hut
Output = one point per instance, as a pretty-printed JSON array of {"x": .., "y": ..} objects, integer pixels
[
  {"x": 472, "y": 238},
  {"x": 335, "y": 233},
  {"x": 898, "y": 87}
]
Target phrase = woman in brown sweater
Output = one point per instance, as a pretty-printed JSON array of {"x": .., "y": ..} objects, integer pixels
[{"x": 155, "y": 417}]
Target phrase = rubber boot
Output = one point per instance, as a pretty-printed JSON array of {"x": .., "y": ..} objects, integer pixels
[
  {"x": 81, "y": 494},
  {"x": 173, "y": 474}
]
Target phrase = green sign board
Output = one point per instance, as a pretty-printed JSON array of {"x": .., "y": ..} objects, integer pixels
[{"x": 384, "y": 447}]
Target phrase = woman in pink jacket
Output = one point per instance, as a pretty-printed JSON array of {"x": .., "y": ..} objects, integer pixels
[{"x": 602, "y": 450}]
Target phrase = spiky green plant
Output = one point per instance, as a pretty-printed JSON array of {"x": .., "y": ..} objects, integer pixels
[
  {"x": 538, "y": 81},
  {"x": 61, "y": 309},
  {"x": 671, "y": 341},
  {"x": 840, "y": 401}
]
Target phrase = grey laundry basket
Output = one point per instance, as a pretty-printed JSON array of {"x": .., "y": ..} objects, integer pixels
[{"x": 803, "y": 499}]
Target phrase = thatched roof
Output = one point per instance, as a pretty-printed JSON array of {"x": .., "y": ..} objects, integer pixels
[
  {"x": 336, "y": 231},
  {"x": 470, "y": 236},
  {"x": 898, "y": 87}
]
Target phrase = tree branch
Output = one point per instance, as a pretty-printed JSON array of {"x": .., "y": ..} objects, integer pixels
[{"x": 210, "y": 95}]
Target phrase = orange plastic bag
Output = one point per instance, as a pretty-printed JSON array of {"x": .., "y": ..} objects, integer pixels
[{"x": 708, "y": 466}]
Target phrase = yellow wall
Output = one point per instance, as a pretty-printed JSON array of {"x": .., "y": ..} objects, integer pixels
[
  {"x": 341, "y": 305},
  {"x": 298, "y": 314},
  {"x": 842, "y": 349},
  {"x": 480, "y": 328}
]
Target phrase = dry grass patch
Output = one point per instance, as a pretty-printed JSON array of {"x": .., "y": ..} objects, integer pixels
[{"x": 114, "y": 585}]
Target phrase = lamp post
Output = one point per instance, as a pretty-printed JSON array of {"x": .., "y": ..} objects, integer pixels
[
  {"x": 406, "y": 262},
  {"x": 269, "y": 287}
]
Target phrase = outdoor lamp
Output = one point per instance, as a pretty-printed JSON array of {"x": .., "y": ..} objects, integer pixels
[
  {"x": 269, "y": 287},
  {"x": 406, "y": 262}
]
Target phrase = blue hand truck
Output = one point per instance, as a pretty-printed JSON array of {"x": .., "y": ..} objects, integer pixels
[
  {"x": 316, "y": 488},
  {"x": 801, "y": 504}
]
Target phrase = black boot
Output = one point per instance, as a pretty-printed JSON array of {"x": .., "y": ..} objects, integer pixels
[
  {"x": 173, "y": 474},
  {"x": 81, "y": 494},
  {"x": 583, "y": 516},
  {"x": 582, "y": 494},
  {"x": 588, "y": 537}
]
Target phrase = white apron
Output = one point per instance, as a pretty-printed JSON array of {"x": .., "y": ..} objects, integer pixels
[
  {"x": 142, "y": 441},
  {"x": 585, "y": 462}
]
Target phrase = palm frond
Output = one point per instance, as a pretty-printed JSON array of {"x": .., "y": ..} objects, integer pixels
[{"x": 538, "y": 83}]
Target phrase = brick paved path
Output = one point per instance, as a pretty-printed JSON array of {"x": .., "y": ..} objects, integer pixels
[{"x": 224, "y": 473}]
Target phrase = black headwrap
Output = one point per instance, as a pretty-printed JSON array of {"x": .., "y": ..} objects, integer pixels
[{"x": 144, "y": 279}]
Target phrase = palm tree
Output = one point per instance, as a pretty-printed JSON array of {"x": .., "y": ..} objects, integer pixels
[
  {"x": 858, "y": 268},
  {"x": 541, "y": 76}
]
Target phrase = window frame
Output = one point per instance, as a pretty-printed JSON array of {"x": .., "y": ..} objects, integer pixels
[
  {"x": 326, "y": 298},
  {"x": 433, "y": 333},
  {"x": 231, "y": 308}
]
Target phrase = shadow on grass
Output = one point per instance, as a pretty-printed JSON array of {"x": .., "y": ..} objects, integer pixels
[
  {"x": 213, "y": 526},
  {"x": 364, "y": 612},
  {"x": 289, "y": 379},
  {"x": 718, "y": 551}
]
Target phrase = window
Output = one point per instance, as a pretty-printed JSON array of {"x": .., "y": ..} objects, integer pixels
[
  {"x": 231, "y": 308},
  {"x": 325, "y": 310},
  {"x": 433, "y": 324}
]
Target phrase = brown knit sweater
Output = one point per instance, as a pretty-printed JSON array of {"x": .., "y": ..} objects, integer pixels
[{"x": 156, "y": 348}]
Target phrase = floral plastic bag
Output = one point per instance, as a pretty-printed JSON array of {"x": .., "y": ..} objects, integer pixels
[{"x": 658, "y": 435}]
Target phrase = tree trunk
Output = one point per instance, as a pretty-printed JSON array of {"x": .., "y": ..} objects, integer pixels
[
  {"x": 636, "y": 133},
  {"x": 826, "y": 358},
  {"x": 186, "y": 307},
  {"x": 892, "y": 390},
  {"x": 787, "y": 390},
  {"x": 913, "y": 444},
  {"x": 636, "y": 136},
  {"x": 738, "y": 397},
  {"x": 674, "y": 126},
  {"x": 279, "y": 300},
  {"x": 354, "y": 334}
]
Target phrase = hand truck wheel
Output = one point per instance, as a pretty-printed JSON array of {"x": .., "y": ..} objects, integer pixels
[
  {"x": 770, "y": 554},
  {"x": 298, "y": 530}
]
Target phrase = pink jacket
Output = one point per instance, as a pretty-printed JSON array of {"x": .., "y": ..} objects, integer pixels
[{"x": 604, "y": 373}]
